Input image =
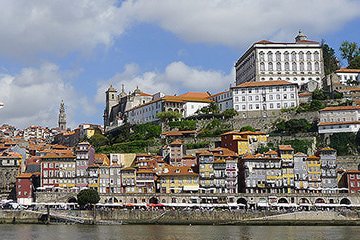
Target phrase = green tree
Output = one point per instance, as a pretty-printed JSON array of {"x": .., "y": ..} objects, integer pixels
[
  {"x": 88, "y": 196},
  {"x": 299, "y": 145},
  {"x": 229, "y": 113},
  {"x": 349, "y": 50},
  {"x": 293, "y": 126},
  {"x": 212, "y": 108},
  {"x": 98, "y": 140},
  {"x": 247, "y": 128},
  {"x": 344, "y": 143},
  {"x": 355, "y": 63},
  {"x": 319, "y": 94},
  {"x": 168, "y": 116},
  {"x": 330, "y": 60}
]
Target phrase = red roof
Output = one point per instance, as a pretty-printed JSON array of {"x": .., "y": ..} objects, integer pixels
[
  {"x": 264, "y": 84},
  {"x": 348, "y": 70},
  {"x": 341, "y": 108},
  {"x": 337, "y": 123}
]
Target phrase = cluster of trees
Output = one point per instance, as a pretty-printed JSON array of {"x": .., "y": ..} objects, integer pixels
[
  {"x": 294, "y": 126},
  {"x": 183, "y": 125},
  {"x": 350, "y": 51},
  {"x": 215, "y": 128}
]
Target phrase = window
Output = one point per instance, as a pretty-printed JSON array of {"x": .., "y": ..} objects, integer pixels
[
  {"x": 317, "y": 67},
  {"x": 308, "y": 56},
  {"x": 262, "y": 56},
  {"x": 243, "y": 107},
  {"x": 271, "y": 97},
  {"x": 262, "y": 66},
  {"x": 292, "y": 96},
  {"x": 278, "y": 66},
  {"x": 270, "y": 56},
  {"x": 285, "y": 105},
  {"x": 250, "y": 98},
  {"x": 309, "y": 67},
  {"x": 286, "y": 56},
  {"x": 302, "y": 66},
  {"x": 271, "y": 105},
  {"x": 243, "y": 98},
  {"x": 294, "y": 66},
  {"x": 257, "y": 106},
  {"x": 277, "y": 96},
  {"x": 278, "y": 56},
  {"x": 301, "y": 56},
  {"x": 316, "y": 56},
  {"x": 270, "y": 66},
  {"x": 257, "y": 98},
  {"x": 278, "y": 105},
  {"x": 236, "y": 99},
  {"x": 236, "y": 107},
  {"x": 250, "y": 106},
  {"x": 293, "y": 56},
  {"x": 285, "y": 96},
  {"x": 287, "y": 66}
]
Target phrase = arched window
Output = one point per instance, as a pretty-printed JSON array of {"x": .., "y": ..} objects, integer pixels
[
  {"x": 270, "y": 56},
  {"x": 262, "y": 66},
  {"x": 308, "y": 55},
  {"x": 293, "y": 56},
  {"x": 286, "y": 56},
  {"x": 294, "y": 66},
  {"x": 262, "y": 56},
  {"x": 302, "y": 66},
  {"x": 278, "y": 66},
  {"x": 301, "y": 56},
  {"x": 316, "y": 56},
  {"x": 270, "y": 66},
  {"x": 295, "y": 79},
  {"x": 309, "y": 66},
  {"x": 278, "y": 56},
  {"x": 317, "y": 66},
  {"x": 287, "y": 66}
]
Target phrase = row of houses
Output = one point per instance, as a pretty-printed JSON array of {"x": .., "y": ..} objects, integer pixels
[{"x": 212, "y": 171}]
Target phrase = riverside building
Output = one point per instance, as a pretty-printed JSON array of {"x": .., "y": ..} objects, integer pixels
[{"x": 339, "y": 119}]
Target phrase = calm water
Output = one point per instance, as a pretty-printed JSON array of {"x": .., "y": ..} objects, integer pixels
[{"x": 168, "y": 232}]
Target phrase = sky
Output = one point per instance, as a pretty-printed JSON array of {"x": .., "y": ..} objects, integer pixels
[{"x": 73, "y": 50}]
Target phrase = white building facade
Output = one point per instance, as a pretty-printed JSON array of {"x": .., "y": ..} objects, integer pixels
[
  {"x": 261, "y": 98},
  {"x": 348, "y": 76},
  {"x": 299, "y": 62},
  {"x": 224, "y": 100},
  {"x": 187, "y": 105},
  {"x": 339, "y": 119}
]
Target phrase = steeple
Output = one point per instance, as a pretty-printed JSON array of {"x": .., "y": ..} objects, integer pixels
[
  {"x": 122, "y": 93},
  {"x": 62, "y": 116},
  {"x": 300, "y": 37}
]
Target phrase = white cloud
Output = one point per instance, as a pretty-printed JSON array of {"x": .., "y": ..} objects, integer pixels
[
  {"x": 176, "y": 78},
  {"x": 237, "y": 23},
  {"x": 31, "y": 28},
  {"x": 58, "y": 26},
  {"x": 33, "y": 97}
]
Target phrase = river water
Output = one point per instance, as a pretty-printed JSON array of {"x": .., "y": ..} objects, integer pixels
[{"x": 172, "y": 232}]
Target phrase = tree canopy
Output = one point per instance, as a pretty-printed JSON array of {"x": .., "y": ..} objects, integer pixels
[
  {"x": 247, "y": 128},
  {"x": 293, "y": 126},
  {"x": 88, "y": 196},
  {"x": 355, "y": 63},
  {"x": 98, "y": 140},
  {"x": 330, "y": 60},
  {"x": 349, "y": 50},
  {"x": 168, "y": 116}
]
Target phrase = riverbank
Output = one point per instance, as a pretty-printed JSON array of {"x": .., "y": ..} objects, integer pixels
[{"x": 181, "y": 217}]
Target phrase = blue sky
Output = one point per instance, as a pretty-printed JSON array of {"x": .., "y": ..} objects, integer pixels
[{"x": 73, "y": 50}]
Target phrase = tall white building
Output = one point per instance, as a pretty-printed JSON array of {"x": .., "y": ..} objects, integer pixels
[
  {"x": 254, "y": 99},
  {"x": 298, "y": 62}
]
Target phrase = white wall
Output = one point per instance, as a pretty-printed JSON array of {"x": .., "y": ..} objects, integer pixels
[{"x": 192, "y": 107}]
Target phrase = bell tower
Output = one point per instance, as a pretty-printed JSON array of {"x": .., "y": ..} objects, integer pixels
[
  {"x": 62, "y": 117},
  {"x": 111, "y": 100}
]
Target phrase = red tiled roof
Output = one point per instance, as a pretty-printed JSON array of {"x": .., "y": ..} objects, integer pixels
[
  {"x": 285, "y": 148},
  {"x": 264, "y": 84},
  {"x": 337, "y": 123},
  {"x": 347, "y": 70},
  {"x": 341, "y": 108}
]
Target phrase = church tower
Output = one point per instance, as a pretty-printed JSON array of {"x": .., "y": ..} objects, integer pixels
[
  {"x": 62, "y": 117},
  {"x": 111, "y": 100}
]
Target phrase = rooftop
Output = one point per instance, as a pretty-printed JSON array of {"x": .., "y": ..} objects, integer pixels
[{"x": 264, "y": 84}]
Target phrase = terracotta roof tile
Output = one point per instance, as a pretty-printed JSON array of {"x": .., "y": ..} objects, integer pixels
[
  {"x": 341, "y": 108},
  {"x": 347, "y": 70},
  {"x": 264, "y": 84}
]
